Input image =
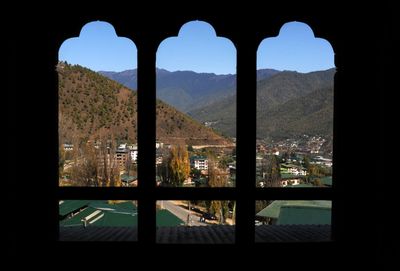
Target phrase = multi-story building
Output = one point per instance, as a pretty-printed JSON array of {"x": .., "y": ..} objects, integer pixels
[{"x": 199, "y": 162}]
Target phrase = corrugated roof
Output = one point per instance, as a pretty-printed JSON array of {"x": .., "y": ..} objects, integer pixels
[
  {"x": 126, "y": 206},
  {"x": 218, "y": 234},
  {"x": 303, "y": 215},
  {"x": 166, "y": 218},
  {"x": 112, "y": 219},
  {"x": 292, "y": 233},
  {"x": 98, "y": 234},
  {"x": 273, "y": 209}
]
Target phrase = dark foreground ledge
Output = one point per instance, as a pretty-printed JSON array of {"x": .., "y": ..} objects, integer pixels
[{"x": 201, "y": 235}]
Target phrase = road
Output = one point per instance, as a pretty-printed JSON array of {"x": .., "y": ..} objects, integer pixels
[{"x": 182, "y": 213}]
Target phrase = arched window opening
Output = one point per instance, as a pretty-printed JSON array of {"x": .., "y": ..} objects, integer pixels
[
  {"x": 97, "y": 126},
  {"x": 294, "y": 109},
  {"x": 97, "y": 109},
  {"x": 196, "y": 109},
  {"x": 295, "y": 89}
]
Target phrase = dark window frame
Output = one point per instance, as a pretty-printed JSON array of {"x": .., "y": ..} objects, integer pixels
[{"x": 245, "y": 193}]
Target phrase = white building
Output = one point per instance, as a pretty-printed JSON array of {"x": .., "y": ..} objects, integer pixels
[
  {"x": 134, "y": 154},
  {"x": 199, "y": 162},
  {"x": 68, "y": 147},
  {"x": 286, "y": 182},
  {"x": 159, "y": 145},
  {"x": 122, "y": 146}
]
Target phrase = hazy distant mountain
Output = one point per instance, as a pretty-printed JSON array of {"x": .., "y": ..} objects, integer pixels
[
  {"x": 282, "y": 99},
  {"x": 127, "y": 78},
  {"x": 91, "y": 105},
  {"x": 187, "y": 90},
  {"x": 288, "y": 104}
]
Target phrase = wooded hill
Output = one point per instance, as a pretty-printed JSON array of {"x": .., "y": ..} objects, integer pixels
[{"x": 91, "y": 105}]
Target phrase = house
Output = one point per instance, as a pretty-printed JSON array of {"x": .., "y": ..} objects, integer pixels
[
  {"x": 319, "y": 160},
  {"x": 290, "y": 182},
  {"x": 199, "y": 162},
  {"x": 133, "y": 154},
  {"x": 121, "y": 155},
  {"x": 128, "y": 181},
  {"x": 293, "y": 169},
  {"x": 122, "y": 146},
  {"x": 159, "y": 145},
  {"x": 132, "y": 147},
  {"x": 68, "y": 147}
]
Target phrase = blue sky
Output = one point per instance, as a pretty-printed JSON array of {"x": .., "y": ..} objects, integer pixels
[
  {"x": 295, "y": 49},
  {"x": 197, "y": 48},
  {"x": 100, "y": 49}
]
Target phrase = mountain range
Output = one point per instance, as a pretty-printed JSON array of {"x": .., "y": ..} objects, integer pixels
[
  {"x": 288, "y": 103},
  {"x": 91, "y": 106},
  {"x": 187, "y": 90}
]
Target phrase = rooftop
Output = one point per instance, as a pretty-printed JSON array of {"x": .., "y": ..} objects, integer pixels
[
  {"x": 166, "y": 218},
  {"x": 273, "y": 210},
  {"x": 68, "y": 206},
  {"x": 304, "y": 215},
  {"x": 201, "y": 235},
  {"x": 196, "y": 157},
  {"x": 327, "y": 180}
]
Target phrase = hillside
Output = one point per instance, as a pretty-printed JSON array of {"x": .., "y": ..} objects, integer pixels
[
  {"x": 289, "y": 85},
  {"x": 288, "y": 103},
  {"x": 311, "y": 114},
  {"x": 187, "y": 90},
  {"x": 91, "y": 105}
]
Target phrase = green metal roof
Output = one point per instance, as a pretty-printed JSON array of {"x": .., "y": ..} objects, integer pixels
[
  {"x": 273, "y": 210},
  {"x": 167, "y": 219},
  {"x": 198, "y": 157},
  {"x": 304, "y": 215},
  {"x": 112, "y": 215},
  {"x": 200, "y": 180},
  {"x": 69, "y": 206},
  {"x": 327, "y": 180},
  {"x": 76, "y": 219},
  {"x": 302, "y": 185},
  {"x": 128, "y": 178},
  {"x": 112, "y": 219},
  {"x": 288, "y": 165},
  {"x": 125, "y": 207},
  {"x": 291, "y": 176},
  {"x": 109, "y": 215}
]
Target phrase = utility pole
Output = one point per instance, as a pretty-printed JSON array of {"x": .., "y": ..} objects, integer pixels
[{"x": 189, "y": 218}]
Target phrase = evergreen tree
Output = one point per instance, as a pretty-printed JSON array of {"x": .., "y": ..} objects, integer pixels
[{"x": 270, "y": 169}]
